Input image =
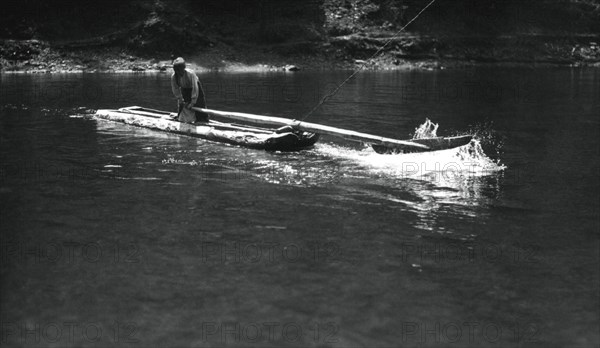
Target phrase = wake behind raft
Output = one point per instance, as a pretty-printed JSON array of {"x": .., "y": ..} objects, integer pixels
[{"x": 290, "y": 135}]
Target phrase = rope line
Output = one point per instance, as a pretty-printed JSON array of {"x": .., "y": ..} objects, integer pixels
[{"x": 334, "y": 92}]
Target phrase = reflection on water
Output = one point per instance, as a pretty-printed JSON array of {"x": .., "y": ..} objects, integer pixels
[
  {"x": 384, "y": 236},
  {"x": 457, "y": 179}
]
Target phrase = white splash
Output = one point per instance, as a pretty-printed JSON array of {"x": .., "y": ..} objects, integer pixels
[
  {"x": 438, "y": 166},
  {"x": 443, "y": 168},
  {"x": 426, "y": 130}
]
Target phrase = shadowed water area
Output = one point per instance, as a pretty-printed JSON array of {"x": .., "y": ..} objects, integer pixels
[{"x": 114, "y": 235}]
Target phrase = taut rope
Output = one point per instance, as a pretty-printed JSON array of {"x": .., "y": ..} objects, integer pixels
[{"x": 334, "y": 92}]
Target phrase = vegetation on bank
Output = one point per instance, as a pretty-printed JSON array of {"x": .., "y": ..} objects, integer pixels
[{"x": 141, "y": 35}]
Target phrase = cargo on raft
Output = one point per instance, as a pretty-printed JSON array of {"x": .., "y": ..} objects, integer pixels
[{"x": 291, "y": 135}]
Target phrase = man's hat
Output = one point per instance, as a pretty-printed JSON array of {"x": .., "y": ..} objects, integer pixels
[{"x": 178, "y": 61}]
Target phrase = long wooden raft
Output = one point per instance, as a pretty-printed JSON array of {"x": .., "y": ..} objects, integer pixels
[
  {"x": 246, "y": 136},
  {"x": 317, "y": 128}
]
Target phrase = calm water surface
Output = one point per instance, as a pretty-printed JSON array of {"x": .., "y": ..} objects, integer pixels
[{"x": 119, "y": 236}]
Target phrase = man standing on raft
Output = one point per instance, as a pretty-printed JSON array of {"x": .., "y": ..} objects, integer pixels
[{"x": 188, "y": 91}]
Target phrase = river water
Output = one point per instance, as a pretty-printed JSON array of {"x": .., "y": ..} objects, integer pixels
[{"x": 120, "y": 236}]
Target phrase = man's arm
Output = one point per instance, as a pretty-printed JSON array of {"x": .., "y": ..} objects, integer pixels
[
  {"x": 194, "y": 80},
  {"x": 175, "y": 89}
]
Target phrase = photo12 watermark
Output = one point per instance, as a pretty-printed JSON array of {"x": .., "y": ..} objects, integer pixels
[
  {"x": 470, "y": 90},
  {"x": 68, "y": 333},
  {"x": 40, "y": 172},
  {"x": 69, "y": 252},
  {"x": 240, "y": 252},
  {"x": 459, "y": 333},
  {"x": 469, "y": 252},
  {"x": 269, "y": 332},
  {"x": 51, "y": 94},
  {"x": 247, "y": 171},
  {"x": 267, "y": 92}
]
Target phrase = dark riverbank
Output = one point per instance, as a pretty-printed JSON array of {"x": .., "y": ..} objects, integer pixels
[
  {"x": 35, "y": 56},
  {"x": 262, "y": 35}
]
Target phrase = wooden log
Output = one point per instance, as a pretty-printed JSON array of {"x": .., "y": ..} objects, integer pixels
[
  {"x": 214, "y": 131},
  {"x": 313, "y": 128},
  {"x": 137, "y": 110}
]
